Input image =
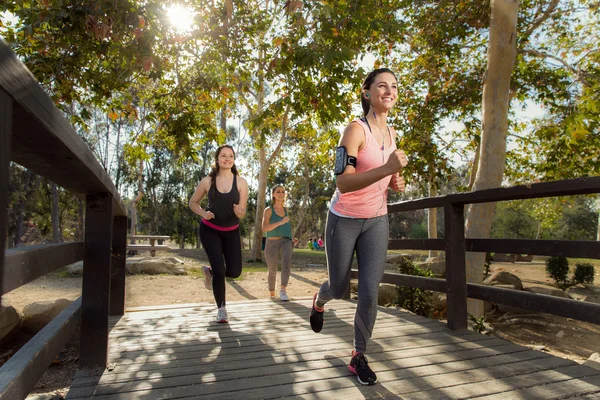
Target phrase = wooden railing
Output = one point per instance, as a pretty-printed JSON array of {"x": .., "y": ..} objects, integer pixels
[
  {"x": 455, "y": 245},
  {"x": 34, "y": 134}
]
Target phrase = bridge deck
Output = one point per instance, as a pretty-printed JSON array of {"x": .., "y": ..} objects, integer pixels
[{"x": 268, "y": 351}]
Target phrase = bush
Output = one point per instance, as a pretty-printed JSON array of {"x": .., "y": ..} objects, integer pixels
[
  {"x": 414, "y": 299},
  {"x": 584, "y": 273},
  {"x": 558, "y": 269}
]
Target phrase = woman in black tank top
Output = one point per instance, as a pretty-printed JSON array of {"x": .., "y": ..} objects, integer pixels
[{"x": 227, "y": 194}]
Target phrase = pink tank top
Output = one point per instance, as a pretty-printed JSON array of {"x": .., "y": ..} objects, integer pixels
[{"x": 370, "y": 201}]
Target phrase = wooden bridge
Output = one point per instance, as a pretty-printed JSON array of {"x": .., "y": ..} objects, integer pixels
[{"x": 267, "y": 351}]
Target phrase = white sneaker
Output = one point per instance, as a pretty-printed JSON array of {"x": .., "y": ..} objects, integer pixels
[
  {"x": 222, "y": 315},
  {"x": 207, "y": 271},
  {"x": 283, "y": 295}
]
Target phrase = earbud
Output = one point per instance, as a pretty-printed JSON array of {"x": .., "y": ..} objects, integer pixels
[{"x": 367, "y": 95}]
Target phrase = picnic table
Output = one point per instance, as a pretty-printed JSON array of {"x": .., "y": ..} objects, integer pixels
[{"x": 152, "y": 244}]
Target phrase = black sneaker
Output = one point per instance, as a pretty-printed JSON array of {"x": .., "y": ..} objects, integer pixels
[
  {"x": 359, "y": 366},
  {"x": 316, "y": 316}
]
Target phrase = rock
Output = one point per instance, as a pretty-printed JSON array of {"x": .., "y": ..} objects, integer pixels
[
  {"x": 504, "y": 278},
  {"x": 548, "y": 291},
  {"x": 501, "y": 257},
  {"x": 354, "y": 286},
  {"x": 10, "y": 323},
  {"x": 524, "y": 257},
  {"x": 387, "y": 294},
  {"x": 430, "y": 260},
  {"x": 37, "y": 315},
  {"x": 560, "y": 334},
  {"x": 439, "y": 301},
  {"x": 75, "y": 268},
  {"x": 593, "y": 361},
  {"x": 153, "y": 266},
  {"x": 174, "y": 260}
]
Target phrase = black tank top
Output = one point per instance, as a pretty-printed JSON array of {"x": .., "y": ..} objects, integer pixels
[{"x": 221, "y": 204}]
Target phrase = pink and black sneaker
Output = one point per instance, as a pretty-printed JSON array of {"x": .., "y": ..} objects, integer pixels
[{"x": 359, "y": 366}]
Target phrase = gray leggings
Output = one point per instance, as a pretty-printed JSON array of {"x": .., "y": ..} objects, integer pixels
[
  {"x": 272, "y": 250},
  {"x": 369, "y": 237}
]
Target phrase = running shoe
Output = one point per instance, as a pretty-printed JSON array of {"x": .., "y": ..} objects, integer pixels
[
  {"x": 283, "y": 296},
  {"x": 316, "y": 316},
  {"x": 207, "y": 271},
  {"x": 222, "y": 315},
  {"x": 359, "y": 366}
]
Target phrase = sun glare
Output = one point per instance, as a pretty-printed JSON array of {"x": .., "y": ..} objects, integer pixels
[{"x": 181, "y": 18}]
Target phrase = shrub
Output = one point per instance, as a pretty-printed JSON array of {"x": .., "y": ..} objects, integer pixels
[
  {"x": 414, "y": 299},
  {"x": 584, "y": 273},
  {"x": 477, "y": 323},
  {"x": 558, "y": 269}
]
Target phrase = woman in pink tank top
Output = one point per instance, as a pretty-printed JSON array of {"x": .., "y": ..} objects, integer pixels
[{"x": 367, "y": 164}]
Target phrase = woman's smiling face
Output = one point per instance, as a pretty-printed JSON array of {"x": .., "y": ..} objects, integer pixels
[{"x": 383, "y": 92}]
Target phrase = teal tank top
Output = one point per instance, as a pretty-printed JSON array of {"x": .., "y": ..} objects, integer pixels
[{"x": 284, "y": 230}]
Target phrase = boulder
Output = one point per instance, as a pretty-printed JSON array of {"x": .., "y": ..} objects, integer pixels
[
  {"x": 548, "y": 291},
  {"x": 387, "y": 294},
  {"x": 75, "y": 268},
  {"x": 439, "y": 301},
  {"x": 154, "y": 266},
  {"x": 525, "y": 257},
  {"x": 38, "y": 314},
  {"x": 393, "y": 258},
  {"x": 10, "y": 323},
  {"x": 501, "y": 257},
  {"x": 504, "y": 278}
]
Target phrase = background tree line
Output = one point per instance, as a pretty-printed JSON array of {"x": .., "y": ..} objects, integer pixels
[{"x": 277, "y": 79}]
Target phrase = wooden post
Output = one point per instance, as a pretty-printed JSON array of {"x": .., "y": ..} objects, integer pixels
[
  {"x": 456, "y": 274},
  {"x": 96, "y": 282},
  {"x": 152, "y": 252},
  {"x": 6, "y": 119},
  {"x": 117, "y": 266}
]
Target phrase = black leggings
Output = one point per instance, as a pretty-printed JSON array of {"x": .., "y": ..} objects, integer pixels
[{"x": 224, "y": 252}]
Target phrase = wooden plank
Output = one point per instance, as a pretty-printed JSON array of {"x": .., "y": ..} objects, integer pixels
[
  {"x": 558, "y": 384},
  {"x": 117, "y": 266},
  {"x": 27, "y": 263},
  {"x": 581, "y": 310},
  {"x": 44, "y": 141},
  {"x": 568, "y": 187},
  {"x": 421, "y": 282},
  {"x": 22, "y": 371},
  {"x": 96, "y": 282},
  {"x": 161, "y": 247},
  {"x": 456, "y": 271},
  {"x": 6, "y": 131},
  {"x": 417, "y": 244},
  {"x": 566, "y": 248},
  {"x": 158, "y": 237}
]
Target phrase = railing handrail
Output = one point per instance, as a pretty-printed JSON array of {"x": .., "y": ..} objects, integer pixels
[
  {"x": 455, "y": 244},
  {"x": 567, "y": 187},
  {"x": 43, "y": 137}
]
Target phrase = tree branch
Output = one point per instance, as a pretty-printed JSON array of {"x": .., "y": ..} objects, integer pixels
[
  {"x": 537, "y": 22},
  {"x": 578, "y": 73}
]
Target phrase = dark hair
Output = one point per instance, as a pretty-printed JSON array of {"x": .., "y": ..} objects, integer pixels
[
  {"x": 215, "y": 167},
  {"x": 367, "y": 85}
]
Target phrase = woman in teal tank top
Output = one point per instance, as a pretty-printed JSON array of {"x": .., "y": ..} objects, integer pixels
[{"x": 276, "y": 224}]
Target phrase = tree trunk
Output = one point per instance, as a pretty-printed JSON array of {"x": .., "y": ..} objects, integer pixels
[
  {"x": 56, "y": 234},
  {"x": 261, "y": 197},
  {"x": 432, "y": 219},
  {"x": 21, "y": 211},
  {"x": 496, "y": 95},
  {"x": 305, "y": 199},
  {"x": 134, "y": 203}
]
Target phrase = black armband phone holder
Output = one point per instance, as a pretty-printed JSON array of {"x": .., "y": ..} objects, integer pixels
[{"x": 342, "y": 160}]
